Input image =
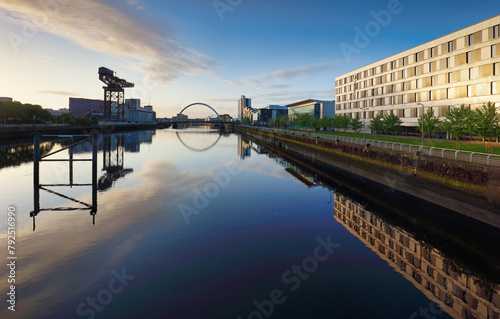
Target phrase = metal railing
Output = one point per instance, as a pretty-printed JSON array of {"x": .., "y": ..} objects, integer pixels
[{"x": 450, "y": 154}]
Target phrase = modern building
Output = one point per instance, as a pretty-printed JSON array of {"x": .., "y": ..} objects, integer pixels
[
  {"x": 5, "y": 99},
  {"x": 459, "y": 68},
  {"x": 57, "y": 112},
  {"x": 134, "y": 113},
  {"x": 459, "y": 294},
  {"x": 244, "y": 108},
  {"x": 226, "y": 118},
  {"x": 264, "y": 114},
  {"x": 82, "y": 107},
  {"x": 316, "y": 108}
]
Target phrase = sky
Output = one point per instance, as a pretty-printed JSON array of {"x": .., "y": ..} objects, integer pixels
[{"x": 179, "y": 52}]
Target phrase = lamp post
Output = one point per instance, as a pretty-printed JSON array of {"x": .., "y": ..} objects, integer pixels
[{"x": 422, "y": 144}]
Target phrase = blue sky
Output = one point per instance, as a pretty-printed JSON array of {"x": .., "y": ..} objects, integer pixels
[{"x": 181, "y": 52}]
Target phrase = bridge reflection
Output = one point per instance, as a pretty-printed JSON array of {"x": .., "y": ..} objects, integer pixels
[{"x": 199, "y": 140}]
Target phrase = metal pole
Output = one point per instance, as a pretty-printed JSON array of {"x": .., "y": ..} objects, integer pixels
[
  {"x": 422, "y": 143},
  {"x": 36, "y": 177},
  {"x": 94, "y": 177}
]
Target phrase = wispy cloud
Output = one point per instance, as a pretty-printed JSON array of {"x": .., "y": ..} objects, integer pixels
[
  {"x": 279, "y": 80},
  {"x": 63, "y": 93},
  {"x": 99, "y": 26}
]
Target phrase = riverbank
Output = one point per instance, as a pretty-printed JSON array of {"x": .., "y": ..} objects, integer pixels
[
  {"x": 471, "y": 190},
  {"x": 26, "y": 131}
]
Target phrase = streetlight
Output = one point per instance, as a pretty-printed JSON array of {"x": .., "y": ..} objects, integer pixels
[{"x": 422, "y": 144}]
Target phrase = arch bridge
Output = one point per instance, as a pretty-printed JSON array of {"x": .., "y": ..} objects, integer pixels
[{"x": 182, "y": 118}]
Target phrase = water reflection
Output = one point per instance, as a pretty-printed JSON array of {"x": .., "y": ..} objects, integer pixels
[
  {"x": 113, "y": 149},
  {"x": 199, "y": 140},
  {"x": 19, "y": 152},
  {"x": 442, "y": 280}
]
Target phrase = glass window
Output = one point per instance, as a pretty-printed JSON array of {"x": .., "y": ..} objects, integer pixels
[
  {"x": 495, "y": 31},
  {"x": 449, "y": 77},
  {"x": 416, "y": 70},
  {"x": 469, "y": 90},
  {"x": 493, "y": 50},
  {"x": 468, "y": 57},
  {"x": 404, "y": 61},
  {"x": 432, "y": 52},
  {"x": 382, "y": 68},
  {"x": 493, "y": 87},
  {"x": 416, "y": 57},
  {"x": 450, "y": 46},
  {"x": 403, "y": 74},
  {"x": 470, "y": 40},
  {"x": 392, "y": 65},
  {"x": 447, "y": 62},
  {"x": 433, "y": 79},
  {"x": 430, "y": 66}
]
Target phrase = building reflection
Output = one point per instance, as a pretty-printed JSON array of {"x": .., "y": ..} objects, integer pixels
[
  {"x": 244, "y": 147},
  {"x": 113, "y": 149},
  {"x": 457, "y": 292}
]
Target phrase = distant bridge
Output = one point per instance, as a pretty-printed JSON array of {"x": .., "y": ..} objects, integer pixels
[{"x": 213, "y": 120}]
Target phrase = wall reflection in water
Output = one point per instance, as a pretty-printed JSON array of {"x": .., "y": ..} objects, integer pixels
[{"x": 460, "y": 294}]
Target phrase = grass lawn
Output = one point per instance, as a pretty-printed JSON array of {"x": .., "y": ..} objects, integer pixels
[{"x": 464, "y": 146}]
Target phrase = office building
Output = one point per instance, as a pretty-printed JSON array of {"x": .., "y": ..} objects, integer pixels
[
  {"x": 244, "y": 108},
  {"x": 316, "y": 108},
  {"x": 264, "y": 114},
  {"x": 459, "y": 68},
  {"x": 82, "y": 107}
]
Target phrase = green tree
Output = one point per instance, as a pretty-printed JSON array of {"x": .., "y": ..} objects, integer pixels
[
  {"x": 341, "y": 122},
  {"x": 486, "y": 123},
  {"x": 457, "y": 122},
  {"x": 377, "y": 124},
  {"x": 431, "y": 123},
  {"x": 391, "y": 123},
  {"x": 356, "y": 124},
  {"x": 246, "y": 120}
]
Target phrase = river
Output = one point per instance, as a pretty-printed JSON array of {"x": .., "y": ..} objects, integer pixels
[{"x": 197, "y": 224}]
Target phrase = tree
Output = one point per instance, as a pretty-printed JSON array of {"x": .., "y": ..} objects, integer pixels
[
  {"x": 356, "y": 124},
  {"x": 431, "y": 123},
  {"x": 456, "y": 122},
  {"x": 341, "y": 122},
  {"x": 486, "y": 123},
  {"x": 391, "y": 123},
  {"x": 377, "y": 124},
  {"x": 246, "y": 121}
]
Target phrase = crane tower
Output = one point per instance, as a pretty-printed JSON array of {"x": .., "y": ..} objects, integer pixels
[{"x": 114, "y": 96}]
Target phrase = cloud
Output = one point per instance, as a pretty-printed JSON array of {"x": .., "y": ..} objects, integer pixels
[
  {"x": 63, "y": 93},
  {"x": 278, "y": 79},
  {"x": 100, "y": 26}
]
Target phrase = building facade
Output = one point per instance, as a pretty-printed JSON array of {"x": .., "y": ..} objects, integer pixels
[
  {"x": 459, "y": 68},
  {"x": 5, "y": 99},
  {"x": 316, "y": 108},
  {"x": 81, "y": 107},
  {"x": 264, "y": 114},
  {"x": 244, "y": 108}
]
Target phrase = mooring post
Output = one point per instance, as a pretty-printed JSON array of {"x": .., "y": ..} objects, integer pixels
[
  {"x": 36, "y": 177},
  {"x": 94, "y": 177}
]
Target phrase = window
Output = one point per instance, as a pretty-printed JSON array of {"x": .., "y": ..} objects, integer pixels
[
  {"x": 372, "y": 82},
  {"x": 404, "y": 61},
  {"x": 416, "y": 84},
  {"x": 493, "y": 87},
  {"x": 381, "y": 79},
  {"x": 416, "y": 70},
  {"x": 373, "y": 71},
  {"x": 430, "y": 66},
  {"x": 382, "y": 68},
  {"x": 433, "y": 80},
  {"x": 470, "y": 39},
  {"x": 495, "y": 31},
  {"x": 430, "y": 95},
  {"x": 448, "y": 62},
  {"x": 416, "y": 57},
  {"x": 449, "y": 77},
  {"x": 432, "y": 52},
  {"x": 365, "y": 74},
  {"x": 404, "y": 86},
  {"x": 493, "y": 50},
  {"x": 470, "y": 73},
  {"x": 468, "y": 58},
  {"x": 469, "y": 90},
  {"x": 450, "y": 46},
  {"x": 495, "y": 69},
  {"x": 392, "y": 65},
  {"x": 392, "y": 77}
]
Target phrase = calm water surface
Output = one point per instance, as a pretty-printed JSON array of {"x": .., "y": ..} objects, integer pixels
[{"x": 192, "y": 224}]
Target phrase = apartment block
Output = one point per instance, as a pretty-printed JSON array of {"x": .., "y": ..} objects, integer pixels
[{"x": 460, "y": 68}]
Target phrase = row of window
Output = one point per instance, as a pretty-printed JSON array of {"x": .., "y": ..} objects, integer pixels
[
  {"x": 415, "y": 71},
  {"x": 471, "y": 40},
  {"x": 448, "y": 78},
  {"x": 431, "y": 95}
]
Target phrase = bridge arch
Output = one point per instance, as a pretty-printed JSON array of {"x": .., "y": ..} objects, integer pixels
[{"x": 218, "y": 117}]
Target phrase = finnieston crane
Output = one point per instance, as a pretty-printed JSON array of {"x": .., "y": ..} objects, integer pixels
[{"x": 114, "y": 94}]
